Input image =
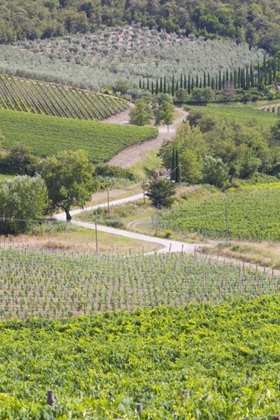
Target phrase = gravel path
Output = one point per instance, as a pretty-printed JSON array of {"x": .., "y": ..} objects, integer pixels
[
  {"x": 166, "y": 245},
  {"x": 133, "y": 154}
]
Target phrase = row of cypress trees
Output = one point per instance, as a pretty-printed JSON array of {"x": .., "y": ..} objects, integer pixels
[{"x": 243, "y": 78}]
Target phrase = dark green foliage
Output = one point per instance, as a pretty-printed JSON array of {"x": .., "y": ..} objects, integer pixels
[
  {"x": 18, "y": 161},
  {"x": 161, "y": 192},
  {"x": 113, "y": 171}
]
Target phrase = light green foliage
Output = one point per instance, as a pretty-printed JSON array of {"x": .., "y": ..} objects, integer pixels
[
  {"x": 215, "y": 171},
  {"x": 68, "y": 177},
  {"x": 161, "y": 192},
  {"x": 23, "y": 198},
  {"x": 252, "y": 214},
  {"x": 141, "y": 113},
  {"x": 106, "y": 57},
  {"x": 50, "y": 99},
  {"x": 203, "y": 95},
  {"x": 243, "y": 148},
  {"x": 243, "y": 114},
  {"x": 100, "y": 366},
  {"x": 59, "y": 285},
  {"x": 46, "y": 135},
  {"x": 165, "y": 114}
]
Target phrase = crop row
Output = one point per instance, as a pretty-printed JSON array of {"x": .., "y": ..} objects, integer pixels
[
  {"x": 20, "y": 94},
  {"x": 203, "y": 362},
  {"x": 250, "y": 215},
  {"x": 38, "y": 284},
  {"x": 46, "y": 135},
  {"x": 104, "y": 57}
]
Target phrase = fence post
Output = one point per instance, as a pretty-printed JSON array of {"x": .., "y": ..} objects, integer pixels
[
  {"x": 50, "y": 398},
  {"x": 139, "y": 408}
]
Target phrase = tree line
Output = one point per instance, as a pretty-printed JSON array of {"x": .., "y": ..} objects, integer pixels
[
  {"x": 251, "y": 22},
  {"x": 222, "y": 153},
  {"x": 264, "y": 74}
]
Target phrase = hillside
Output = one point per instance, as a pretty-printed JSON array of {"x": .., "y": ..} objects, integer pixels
[
  {"x": 46, "y": 135},
  {"x": 254, "y": 22},
  {"x": 20, "y": 94},
  {"x": 130, "y": 53}
]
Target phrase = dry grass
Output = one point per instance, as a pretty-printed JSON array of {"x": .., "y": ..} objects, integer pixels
[{"x": 83, "y": 241}]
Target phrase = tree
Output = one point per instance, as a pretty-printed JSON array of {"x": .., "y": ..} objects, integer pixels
[
  {"x": 203, "y": 95},
  {"x": 122, "y": 86},
  {"x": 22, "y": 198},
  {"x": 141, "y": 113},
  {"x": 18, "y": 161},
  {"x": 161, "y": 192},
  {"x": 68, "y": 176},
  {"x": 165, "y": 114},
  {"x": 215, "y": 171}
]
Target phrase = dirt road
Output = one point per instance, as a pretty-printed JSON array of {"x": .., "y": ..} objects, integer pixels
[{"x": 133, "y": 154}]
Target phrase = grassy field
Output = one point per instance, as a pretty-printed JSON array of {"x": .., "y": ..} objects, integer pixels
[
  {"x": 202, "y": 362},
  {"x": 46, "y": 135},
  {"x": 245, "y": 114}
]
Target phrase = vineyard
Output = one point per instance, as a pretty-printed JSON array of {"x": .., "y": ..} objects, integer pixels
[
  {"x": 131, "y": 52},
  {"x": 202, "y": 362},
  {"x": 44, "y": 285},
  {"x": 50, "y": 99},
  {"x": 46, "y": 135},
  {"x": 244, "y": 114},
  {"x": 252, "y": 215}
]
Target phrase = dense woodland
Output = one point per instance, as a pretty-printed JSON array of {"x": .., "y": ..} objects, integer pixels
[{"x": 255, "y": 22}]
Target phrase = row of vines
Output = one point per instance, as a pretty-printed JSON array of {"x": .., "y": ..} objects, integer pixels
[
  {"x": 20, "y": 94},
  {"x": 252, "y": 215},
  {"x": 39, "y": 284}
]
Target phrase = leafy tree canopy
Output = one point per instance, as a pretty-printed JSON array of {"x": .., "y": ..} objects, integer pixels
[
  {"x": 161, "y": 192},
  {"x": 141, "y": 113},
  {"x": 23, "y": 198},
  {"x": 68, "y": 176}
]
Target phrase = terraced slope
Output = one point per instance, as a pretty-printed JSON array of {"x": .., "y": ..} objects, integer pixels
[{"x": 21, "y": 94}]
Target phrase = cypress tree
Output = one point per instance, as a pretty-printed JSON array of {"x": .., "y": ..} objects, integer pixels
[
  {"x": 181, "y": 81},
  {"x": 160, "y": 85},
  {"x": 213, "y": 83},
  {"x": 140, "y": 84},
  {"x": 172, "y": 86},
  {"x": 247, "y": 78},
  {"x": 164, "y": 84},
  {"x": 189, "y": 84},
  {"x": 148, "y": 83},
  {"x": 177, "y": 86},
  {"x": 196, "y": 81},
  {"x": 173, "y": 174},
  {"x": 185, "y": 82},
  {"x": 227, "y": 76},
  {"x": 252, "y": 81},
  {"x": 157, "y": 86},
  {"x": 192, "y": 84},
  {"x": 220, "y": 80},
  {"x": 152, "y": 87},
  {"x": 200, "y": 82},
  {"x": 270, "y": 75},
  {"x": 177, "y": 170},
  {"x": 204, "y": 80},
  {"x": 208, "y": 80},
  {"x": 239, "y": 78}
]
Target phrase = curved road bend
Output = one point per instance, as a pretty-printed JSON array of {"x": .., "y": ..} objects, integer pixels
[{"x": 166, "y": 244}]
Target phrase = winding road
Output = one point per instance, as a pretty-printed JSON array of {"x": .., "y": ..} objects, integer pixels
[{"x": 166, "y": 245}]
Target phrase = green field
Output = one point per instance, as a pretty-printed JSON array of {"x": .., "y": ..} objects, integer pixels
[
  {"x": 99, "y": 367},
  {"x": 244, "y": 114},
  {"x": 252, "y": 214},
  {"x": 20, "y": 94},
  {"x": 45, "y": 285},
  {"x": 46, "y": 135}
]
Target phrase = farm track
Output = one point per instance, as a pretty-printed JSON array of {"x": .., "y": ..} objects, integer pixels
[
  {"x": 133, "y": 154},
  {"x": 165, "y": 245}
]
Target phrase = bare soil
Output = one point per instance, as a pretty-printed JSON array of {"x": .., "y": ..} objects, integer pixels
[{"x": 133, "y": 154}]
